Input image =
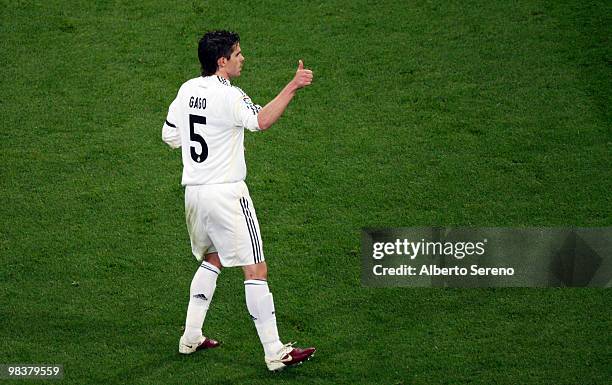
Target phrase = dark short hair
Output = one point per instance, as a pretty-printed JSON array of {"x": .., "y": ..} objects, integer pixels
[{"x": 214, "y": 45}]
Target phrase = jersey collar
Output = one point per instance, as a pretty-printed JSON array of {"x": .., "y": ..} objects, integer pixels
[{"x": 222, "y": 80}]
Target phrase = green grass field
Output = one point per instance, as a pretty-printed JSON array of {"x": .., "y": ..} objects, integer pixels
[{"x": 422, "y": 113}]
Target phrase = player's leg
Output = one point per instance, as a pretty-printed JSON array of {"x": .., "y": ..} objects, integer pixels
[
  {"x": 260, "y": 304},
  {"x": 204, "y": 280},
  {"x": 201, "y": 293},
  {"x": 259, "y": 300}
]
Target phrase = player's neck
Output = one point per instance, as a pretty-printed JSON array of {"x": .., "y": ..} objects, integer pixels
[{"x": 223, "y": 74}]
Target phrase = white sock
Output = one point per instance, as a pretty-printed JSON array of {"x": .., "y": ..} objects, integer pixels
[
  {"x": 260, "y": 304},
  {"x": 200, "y": 294}
]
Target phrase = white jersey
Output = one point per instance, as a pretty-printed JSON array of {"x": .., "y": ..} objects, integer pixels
[{"x": 207, "y": 120}]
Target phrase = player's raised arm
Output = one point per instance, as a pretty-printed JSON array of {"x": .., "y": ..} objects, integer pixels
[{"x": 274, "y": 109}]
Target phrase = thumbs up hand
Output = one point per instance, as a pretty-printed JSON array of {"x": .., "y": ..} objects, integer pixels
[{"x": 303, "y": 77}]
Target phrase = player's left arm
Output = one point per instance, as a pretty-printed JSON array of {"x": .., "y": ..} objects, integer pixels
[{"x": 170, "y": 132}]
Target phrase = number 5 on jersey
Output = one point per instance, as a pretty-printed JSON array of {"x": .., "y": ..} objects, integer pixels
[{"x": 201, "y": 157}]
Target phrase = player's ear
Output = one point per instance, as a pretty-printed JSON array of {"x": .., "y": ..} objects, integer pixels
[{"x": 221, "y": 62}]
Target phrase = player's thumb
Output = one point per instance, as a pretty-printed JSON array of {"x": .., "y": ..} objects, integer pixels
[{"x": 300, "y": 64}]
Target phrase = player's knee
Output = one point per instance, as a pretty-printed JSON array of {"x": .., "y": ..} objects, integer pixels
[
  {"x": 256, "y": 271},
  {"x": 213, "y": 259}
]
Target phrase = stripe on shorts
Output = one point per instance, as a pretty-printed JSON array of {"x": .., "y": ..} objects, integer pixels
[
  {"x": 255, "y": 234},
  {"x": 250, "y": 222}
]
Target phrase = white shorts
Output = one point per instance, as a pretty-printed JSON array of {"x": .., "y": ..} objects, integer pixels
[{"x": 221, "y": 218}]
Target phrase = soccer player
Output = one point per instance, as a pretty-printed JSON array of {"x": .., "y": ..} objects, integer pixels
[{"x": 207, "y": 120}]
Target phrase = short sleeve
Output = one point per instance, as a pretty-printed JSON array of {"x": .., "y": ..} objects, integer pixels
[
  {"x": 170, "y": 131},
  {"x": 245, "y": 111}
]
